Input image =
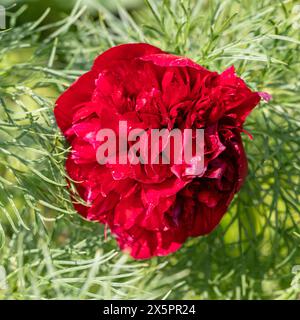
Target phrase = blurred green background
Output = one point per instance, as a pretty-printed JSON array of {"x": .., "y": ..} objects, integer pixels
[
  {"x": 60, "y": 8},
  {"x": 48, "y": 251}
]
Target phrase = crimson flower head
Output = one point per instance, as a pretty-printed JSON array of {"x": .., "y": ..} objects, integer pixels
[{"x": 153, "y": 208}]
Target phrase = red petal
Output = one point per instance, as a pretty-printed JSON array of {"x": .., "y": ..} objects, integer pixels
[
  {"x": 78, "y": 93},
  {"x": 169, "y": 60},
  {"x": 123, "y": 52}
]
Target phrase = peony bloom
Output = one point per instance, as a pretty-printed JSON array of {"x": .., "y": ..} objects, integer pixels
[{"x": 153, "y": 208}]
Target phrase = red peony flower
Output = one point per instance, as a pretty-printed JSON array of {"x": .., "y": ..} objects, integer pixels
[{"x": 153, "y": 208}]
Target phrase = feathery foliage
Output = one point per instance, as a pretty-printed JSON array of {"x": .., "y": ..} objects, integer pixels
[{"x": 49, "y": 251}]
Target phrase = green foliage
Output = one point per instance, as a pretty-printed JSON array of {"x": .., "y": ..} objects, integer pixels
[{"x": 48, "y": 251}]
